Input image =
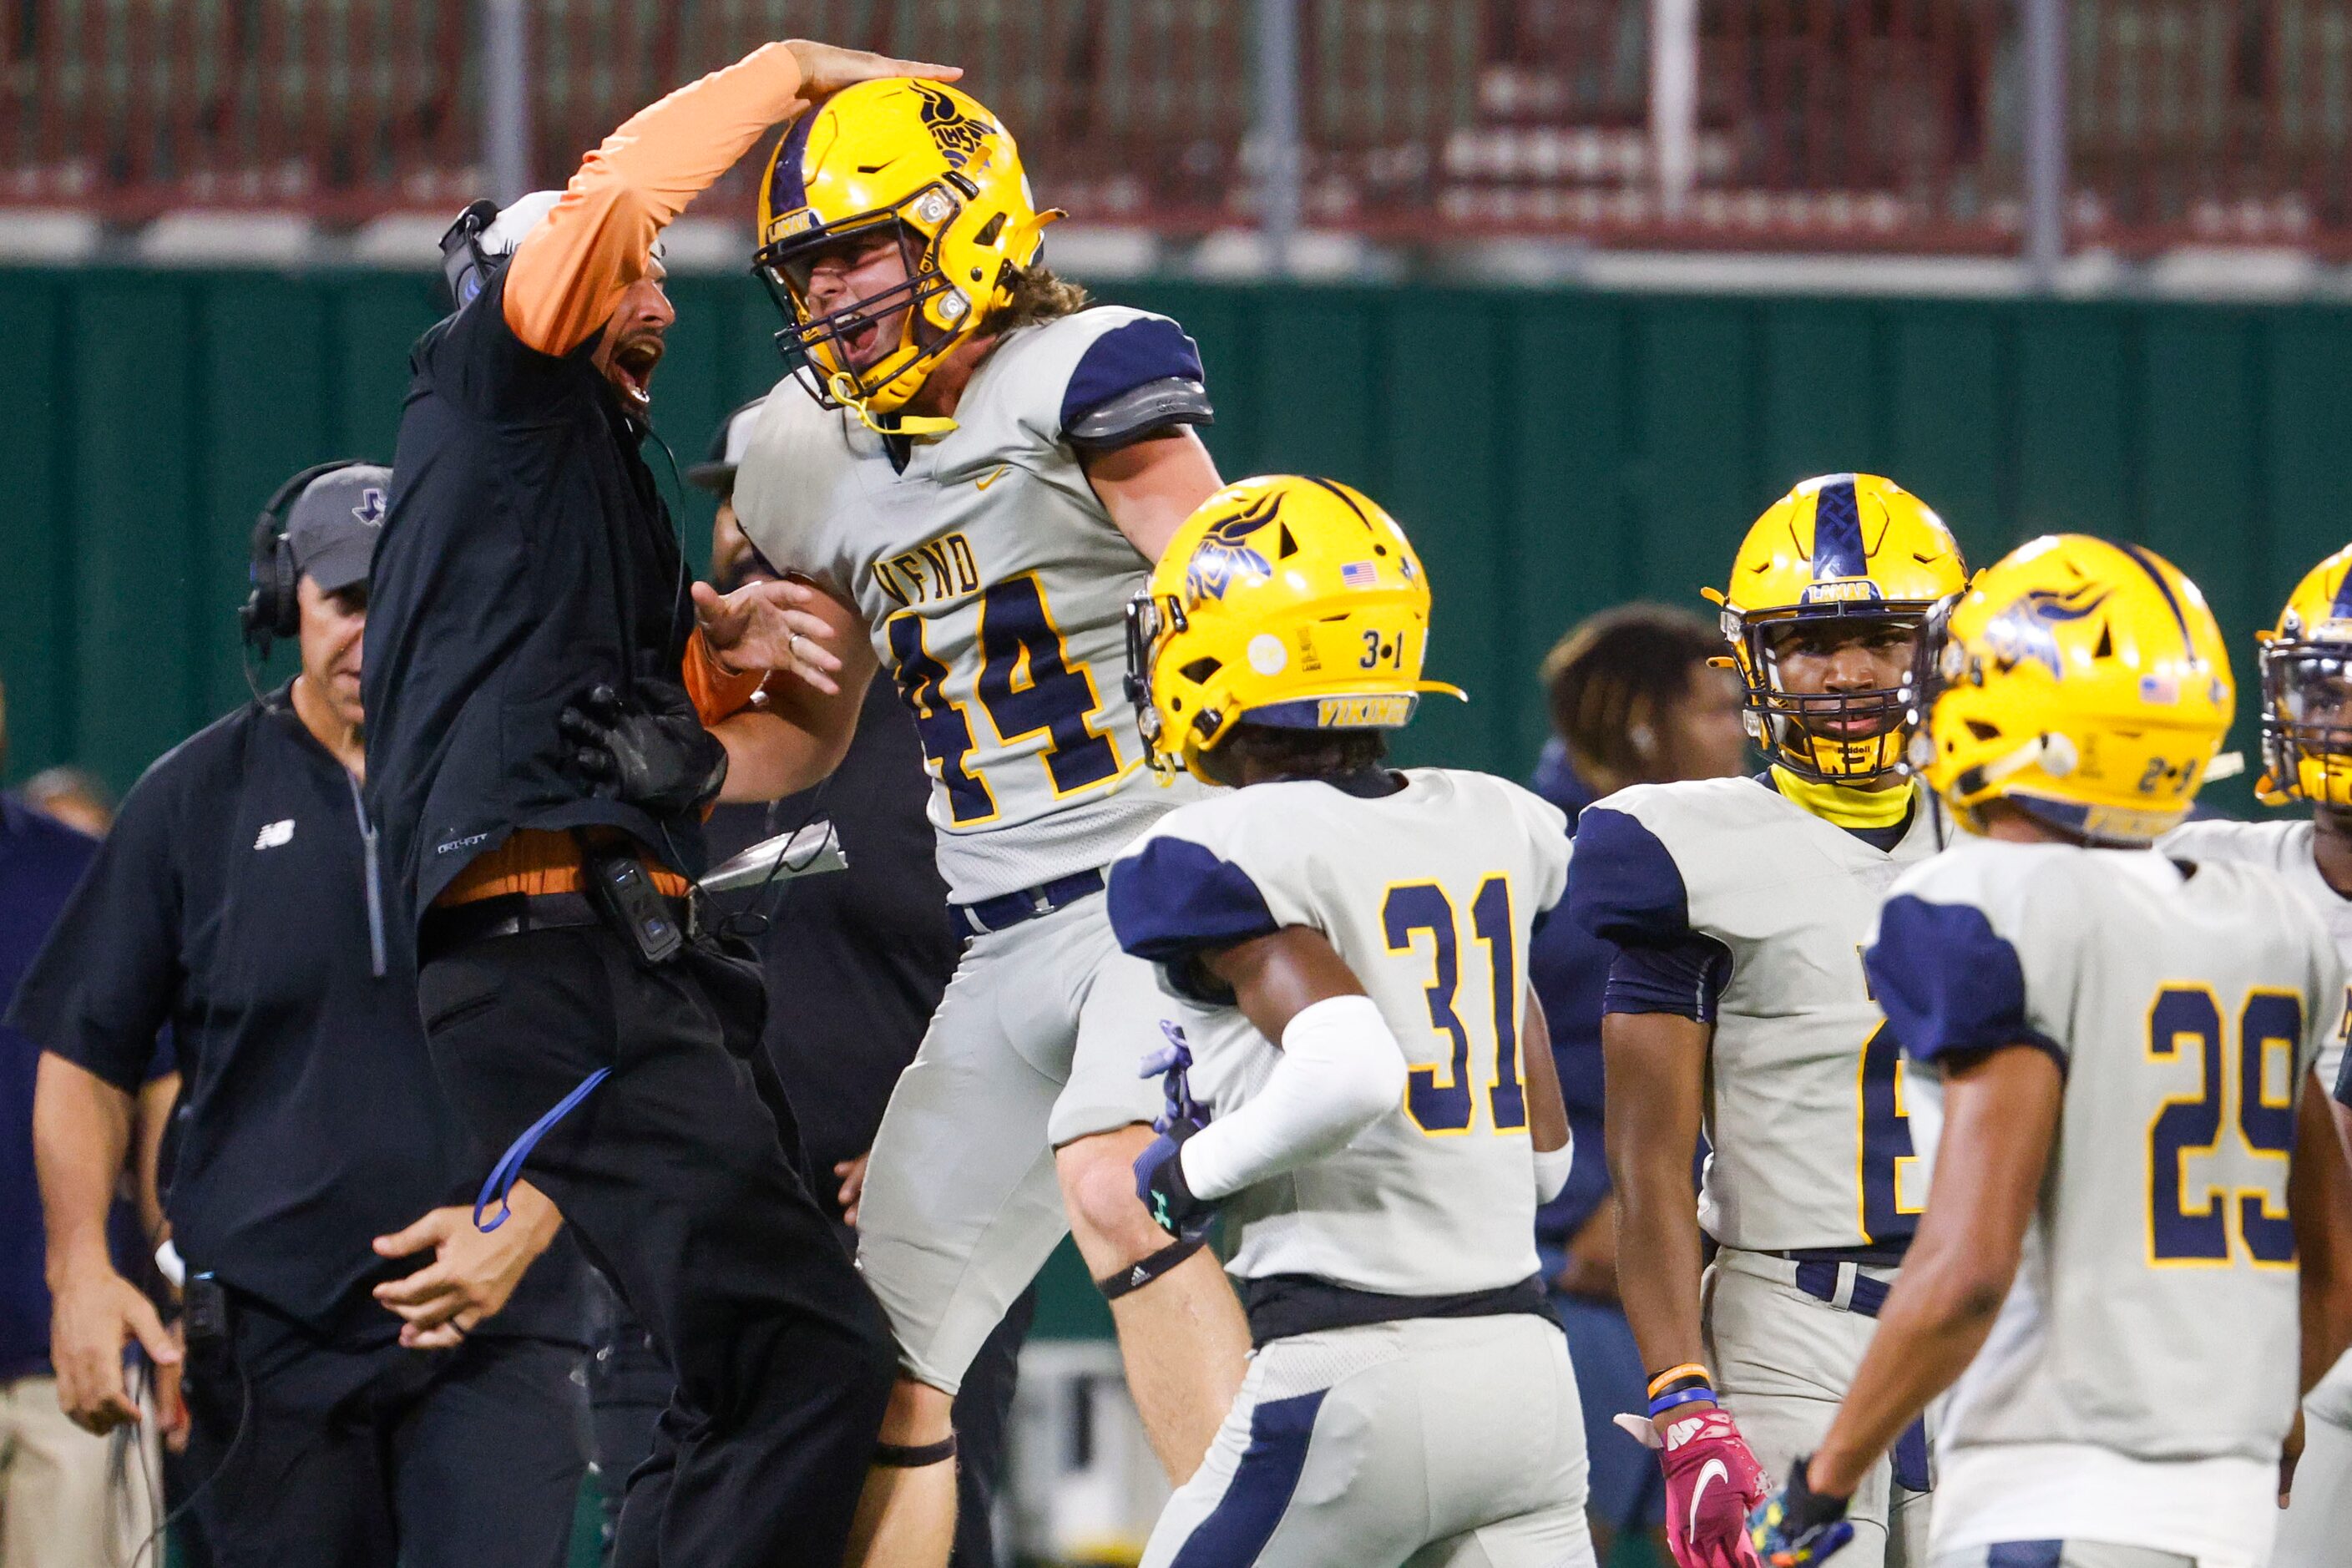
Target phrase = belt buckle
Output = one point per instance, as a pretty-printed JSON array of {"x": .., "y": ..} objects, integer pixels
[{"x": 1039, "y": 902}]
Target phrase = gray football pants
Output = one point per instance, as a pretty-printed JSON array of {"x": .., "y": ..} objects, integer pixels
[
  {"x": 1432, "y": 1443},
  {"x": 1038, "y": 1041},
  {"x": 1782, "y": 1362},
  {"x": 2316, "y": 1531}
]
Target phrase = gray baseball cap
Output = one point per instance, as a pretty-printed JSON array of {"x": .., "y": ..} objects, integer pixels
[
  {"x": 331, "y": 529},
  {"x": 716, "y": 472}
]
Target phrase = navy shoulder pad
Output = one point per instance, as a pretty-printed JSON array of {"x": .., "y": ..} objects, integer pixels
[
  {"x": 1622, "y": 885},
  {"x": 1948, "y": 983},
  {"x": 1150, "y": 353},
  {"x": 1175, "y": 898}
]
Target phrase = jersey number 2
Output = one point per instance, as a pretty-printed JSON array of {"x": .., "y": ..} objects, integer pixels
[
  {"x": 1027, "y": 683},
  {"x": 1439, "y": 1100},
  {"x": 2186, "y": 1021}
]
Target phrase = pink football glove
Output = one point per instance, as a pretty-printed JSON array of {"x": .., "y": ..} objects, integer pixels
[{"x": 1712, "y": 1482}]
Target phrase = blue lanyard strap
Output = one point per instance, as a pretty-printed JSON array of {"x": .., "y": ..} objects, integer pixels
[{"x": 509, "y": 1170}]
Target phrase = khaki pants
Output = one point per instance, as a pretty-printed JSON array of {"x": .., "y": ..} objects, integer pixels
[{"x": 57, "y": 1509}]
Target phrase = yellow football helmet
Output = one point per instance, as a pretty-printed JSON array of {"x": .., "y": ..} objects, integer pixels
[
  {"x": 928, "y": 165},
  {"x": 2306, "y": 664},
  {"x": 1288, "y": 602},
  {"x": 1834, "y": 553},
  {"x": 2085, "y": 681}
]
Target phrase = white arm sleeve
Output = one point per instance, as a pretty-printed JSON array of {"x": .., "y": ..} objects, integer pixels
[
  {"x": 1552, "y": 1168},
  {"x": 1341, "y": 1070}
]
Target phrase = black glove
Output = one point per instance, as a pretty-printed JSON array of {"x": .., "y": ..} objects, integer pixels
[
  {"x": 650, "y": 749},
  {"x": 1797, "y": 1527},
  {"x": 1159, "y": 1182}
]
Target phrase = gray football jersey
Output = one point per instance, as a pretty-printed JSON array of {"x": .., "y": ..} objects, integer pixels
[
  {"x": 2284, "y": 848},
  {"x": 1428, "y": 894},
  {"x": 2155, "y": 1309},
  {"x": 995, "y": 586},
  {"x": 1806, "y": 1108}
]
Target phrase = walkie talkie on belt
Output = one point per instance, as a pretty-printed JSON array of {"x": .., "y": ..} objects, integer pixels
[{"x": 627, "y": 898}]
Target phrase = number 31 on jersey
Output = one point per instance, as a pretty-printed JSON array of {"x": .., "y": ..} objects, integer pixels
[{"x": 1441, "y": 1098}]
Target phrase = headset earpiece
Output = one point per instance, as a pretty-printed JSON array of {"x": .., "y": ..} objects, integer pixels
[{"x": 268, "y": 594}]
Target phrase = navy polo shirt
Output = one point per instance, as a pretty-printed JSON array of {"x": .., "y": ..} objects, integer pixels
[
  {"x": 40, "y": 861},
  {"x": 1569, "y": 968},
  {"x": 239, "y": 901}
]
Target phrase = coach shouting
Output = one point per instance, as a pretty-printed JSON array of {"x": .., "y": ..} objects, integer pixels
[{"x": 544, "y": 735}]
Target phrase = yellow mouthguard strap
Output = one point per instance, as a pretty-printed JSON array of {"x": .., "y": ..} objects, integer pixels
[
  {"x": 1844, "y": 805},
  {"x": 845, "y": 392}
]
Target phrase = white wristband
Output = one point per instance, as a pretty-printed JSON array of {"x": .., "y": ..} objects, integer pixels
[
  {"x": 1552, "y": 1168},
  {"x": 1341, "y": 1070}
]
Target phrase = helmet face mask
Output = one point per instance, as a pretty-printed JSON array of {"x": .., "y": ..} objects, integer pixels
[
  {"x": 1841, "y": 570},
  {"x": 2307, "y": 719},
  {"x": 819, "y": 341},
  {"x": 1854, "y": 736},
  {"x": 1148, "y": 620}
]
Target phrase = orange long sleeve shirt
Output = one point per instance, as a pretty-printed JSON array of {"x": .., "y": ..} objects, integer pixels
[{"x": 569, "y": 272}]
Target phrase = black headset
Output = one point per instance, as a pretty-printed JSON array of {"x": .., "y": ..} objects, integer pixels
[
  {"x": 465, "y": 267},
  {"x": 271, "y": 609}
]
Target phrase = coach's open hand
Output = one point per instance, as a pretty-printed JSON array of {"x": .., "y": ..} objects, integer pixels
[
  {"x": 825, "y": 68},
  {"x": 769, "y": 625},
  {"x": 472, "y": 1273}
]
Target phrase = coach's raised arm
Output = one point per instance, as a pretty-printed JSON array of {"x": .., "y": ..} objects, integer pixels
[{"x": 546, "y": 729}]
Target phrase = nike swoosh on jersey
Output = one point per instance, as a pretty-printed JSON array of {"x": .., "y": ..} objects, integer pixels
[
  {"x": 1711, "y": 1471},
  {"x": 989, "y": 479}
]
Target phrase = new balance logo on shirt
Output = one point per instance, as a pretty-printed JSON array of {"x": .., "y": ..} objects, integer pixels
[{"x": 274, "y": 834}]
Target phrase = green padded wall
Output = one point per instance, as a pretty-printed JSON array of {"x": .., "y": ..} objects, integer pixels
[{"x": 1552, "y": 453}]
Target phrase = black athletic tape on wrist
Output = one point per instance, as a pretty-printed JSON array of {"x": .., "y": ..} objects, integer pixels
[
  {"x": 1137, "y": 1276},
  {"x": 902, "y": 1456}
]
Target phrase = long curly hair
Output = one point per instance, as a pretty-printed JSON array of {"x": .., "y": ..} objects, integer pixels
[{"x": 1039, "y": 296}]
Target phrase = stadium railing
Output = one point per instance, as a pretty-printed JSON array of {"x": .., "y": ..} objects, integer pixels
[{"x": 1843, "y": 124}]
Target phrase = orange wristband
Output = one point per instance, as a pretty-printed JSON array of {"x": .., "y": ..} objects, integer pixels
[
  {"x": 717, "y": 692},
  {"x": 1688, "y": 1369}
]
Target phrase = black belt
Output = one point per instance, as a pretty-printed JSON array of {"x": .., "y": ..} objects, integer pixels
[
  {"x": 1890, "y": 1256},
  {"x": 448, "y": 926},
  {"x": 1281, "y": 1305},
  {"x": 1026, "y": 904}
]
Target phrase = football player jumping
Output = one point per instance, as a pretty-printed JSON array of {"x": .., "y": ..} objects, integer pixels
[
  {"x": 1344, "y": 949},
  {"x": 969, "y": 483},
  {"x": 2114, "y": 1039},
  {"x": 2305, "y": 662},
  {"x": 1737, "y": 999}
]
